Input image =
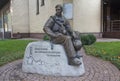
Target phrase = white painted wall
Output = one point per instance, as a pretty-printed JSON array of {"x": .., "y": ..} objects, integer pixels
[
  {"x": 37, "y": 21},
  {"x": 87, "y": 15},
  {"x": 20, "y": 16}
]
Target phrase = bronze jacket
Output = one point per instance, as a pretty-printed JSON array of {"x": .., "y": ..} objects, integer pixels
[{"x": 52, "y": 28}]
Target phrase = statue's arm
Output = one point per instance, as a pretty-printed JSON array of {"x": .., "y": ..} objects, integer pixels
[
  {"x": 70, "y": 30},
  {"x": 68, "y": 27},
  {"x": 47, "y": 27}
]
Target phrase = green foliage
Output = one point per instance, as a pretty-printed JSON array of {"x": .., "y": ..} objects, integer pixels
[
  {"x": 46, "y": 37},
  {"x": 88, "y": 39},
  {"x": 11, "y": 50},
  {"x": 85, "y": 39},
  {"x": 106, "y": 50}
]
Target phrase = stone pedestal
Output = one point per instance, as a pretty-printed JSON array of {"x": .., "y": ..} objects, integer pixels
[{"x": 40, "y": 58}]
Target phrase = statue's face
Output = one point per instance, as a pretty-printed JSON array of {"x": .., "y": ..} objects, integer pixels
[{"x": 58, "y": 11}]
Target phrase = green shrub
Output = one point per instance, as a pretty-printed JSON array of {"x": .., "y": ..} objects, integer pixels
[
  {"x": 85, "y": 39},
  {"x": 46, "y": 37},
  {"x": 88, "y": 39}
]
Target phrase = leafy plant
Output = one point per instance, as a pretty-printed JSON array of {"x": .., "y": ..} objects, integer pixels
[
  {"x": 46, "y": 37},
  {"x": 88, "y": 39}
]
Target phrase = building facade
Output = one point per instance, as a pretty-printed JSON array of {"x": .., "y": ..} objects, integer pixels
[{"x": 26, "y": 18}]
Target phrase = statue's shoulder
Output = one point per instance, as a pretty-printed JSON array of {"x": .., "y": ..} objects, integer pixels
[
  {"x": 52, "y": 17},
  {"x": 64, "y": 17}
]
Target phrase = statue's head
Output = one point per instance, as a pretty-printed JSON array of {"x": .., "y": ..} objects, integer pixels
[{"x": 59, "y": 9}]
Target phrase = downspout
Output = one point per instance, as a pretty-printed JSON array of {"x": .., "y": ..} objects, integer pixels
[
  {"x": 3, "y": 33},
  {"x": 28, "y": 20},
  {"x": 101, "y": 24},
  {"x": 11, "y": 14}
]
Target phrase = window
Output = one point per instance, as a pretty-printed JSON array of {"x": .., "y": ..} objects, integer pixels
[
  {"x": 68, "y": 10},
  {"x": 42, "y": 2},
  {"x": 37, "y": 7},
  {"x": 5, "y": 21}
]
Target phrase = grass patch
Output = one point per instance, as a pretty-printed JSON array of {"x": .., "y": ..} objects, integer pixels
[
  {"x": 109, "y": 51},
  {"x": 11, "y": 50}
]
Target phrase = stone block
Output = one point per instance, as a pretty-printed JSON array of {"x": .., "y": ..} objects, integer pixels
[{"x": 40, "y": 58}]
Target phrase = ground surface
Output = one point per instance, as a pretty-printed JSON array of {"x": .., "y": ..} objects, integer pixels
[
  {"x": 96, "y": 70},
  {"x": 107, "y": 40}
]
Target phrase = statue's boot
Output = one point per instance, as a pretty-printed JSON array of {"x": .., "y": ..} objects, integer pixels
[
  {"x": 75, "y": 61},
  {"x": 79, "y": 56}
]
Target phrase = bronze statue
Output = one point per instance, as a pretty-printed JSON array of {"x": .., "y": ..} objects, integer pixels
[{"x": 58, "y": 28}]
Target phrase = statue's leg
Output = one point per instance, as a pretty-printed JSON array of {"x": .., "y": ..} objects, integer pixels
[
  {"x": 77, "y": 43},
  {"x": 69, "y": 48},
  {"x": 77, "y": 46},
  {"x": 67, "y": 43}
]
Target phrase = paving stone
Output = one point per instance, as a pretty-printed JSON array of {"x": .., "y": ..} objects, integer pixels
[{"x": 96, "y": 70}]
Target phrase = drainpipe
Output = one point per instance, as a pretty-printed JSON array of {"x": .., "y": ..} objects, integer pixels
[
  {"x": 101, "y": 24},
  {"x": 28, "y": 20},
  {"x": 11, "y": 14},
  {"x": 3, "y": 33}
]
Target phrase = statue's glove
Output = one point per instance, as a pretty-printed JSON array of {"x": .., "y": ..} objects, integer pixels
[
  {"x": 64, "y": 32},
  {"x": 74, "y": 35},
  {"x": 58, "y": 34}
]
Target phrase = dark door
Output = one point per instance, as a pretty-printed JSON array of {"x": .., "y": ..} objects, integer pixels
[{"x": 111, "y": 18}]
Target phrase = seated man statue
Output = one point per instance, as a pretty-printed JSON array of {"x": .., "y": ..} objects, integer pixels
[{"x": 58, "y": 28}]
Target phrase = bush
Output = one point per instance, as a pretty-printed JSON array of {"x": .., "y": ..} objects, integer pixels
[
  {"x": 85, "y": 39},
  {"x": 88, "y": 39},
  {"x": 46, "y": 37}
]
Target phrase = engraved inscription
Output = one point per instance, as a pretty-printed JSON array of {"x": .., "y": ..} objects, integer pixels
[{"x": 40, "y": 50}]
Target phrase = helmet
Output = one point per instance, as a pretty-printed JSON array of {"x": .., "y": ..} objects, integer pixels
[{"x": 77, "y": 44}]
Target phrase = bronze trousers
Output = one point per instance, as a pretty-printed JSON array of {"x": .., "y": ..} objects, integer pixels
[{"x": 67, "y": 43}]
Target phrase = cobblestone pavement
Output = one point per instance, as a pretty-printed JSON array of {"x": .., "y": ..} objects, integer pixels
[{"x": 96, "y": 70}]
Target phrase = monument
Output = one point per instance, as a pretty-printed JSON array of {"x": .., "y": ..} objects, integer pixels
[
  {"x": 60, "y": 32},
  {"x": 58, "y": 57},
  {"x": 42, "y": 59}
]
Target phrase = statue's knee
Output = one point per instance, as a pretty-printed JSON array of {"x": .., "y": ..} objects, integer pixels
[
  {"x": 77, "y": 44},
  {"x": 67, "y": 37},
  {"x": 78, "y": 47}
]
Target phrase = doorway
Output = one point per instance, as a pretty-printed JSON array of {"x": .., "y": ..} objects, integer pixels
[{"x": 111, "y": 18}]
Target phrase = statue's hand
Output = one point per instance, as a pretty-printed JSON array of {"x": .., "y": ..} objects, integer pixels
[
  {"x": 64, "y": 32},
  {"x": 74, "y": 35},
  {"x": 58, "y": 34}
]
